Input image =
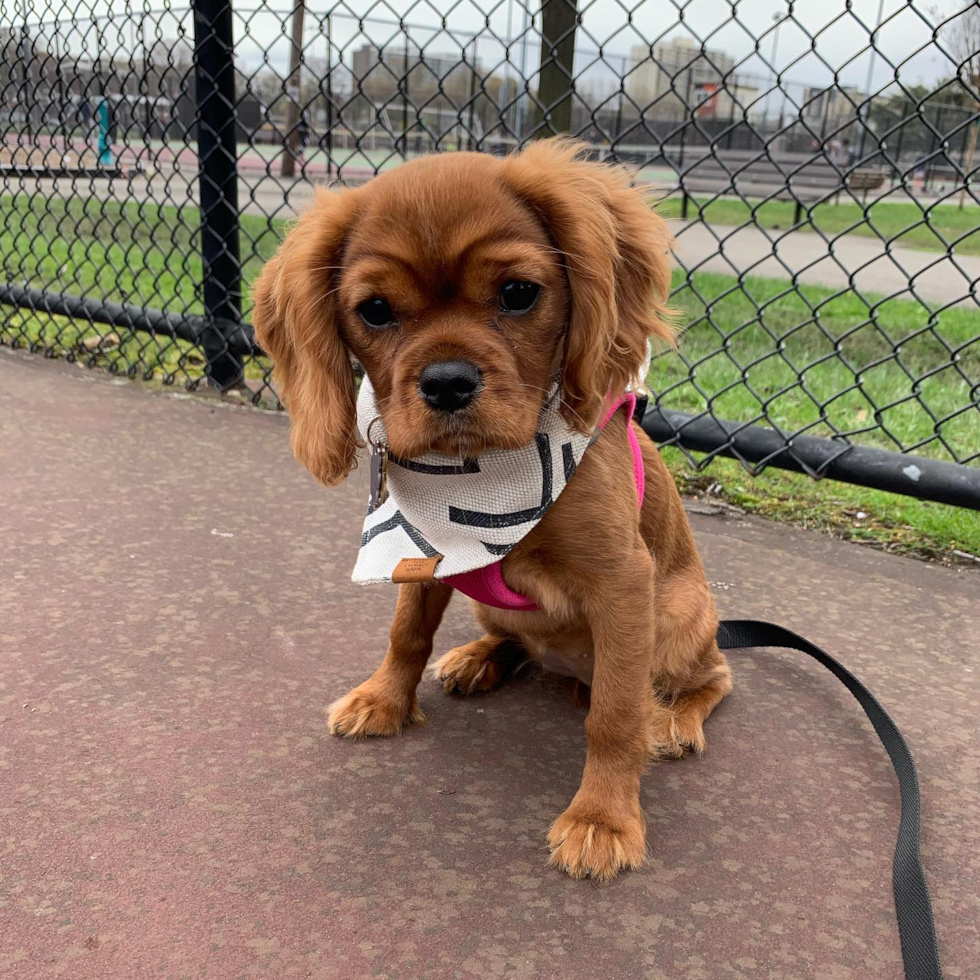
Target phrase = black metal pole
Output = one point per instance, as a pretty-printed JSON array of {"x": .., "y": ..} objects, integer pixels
[
  {"x": 898, "y": 149},
  {"x": 403, "y": 82},
  {"x": 680, "y": 161},
  {"x": 731, "y": 115},
  {"x": 914, "y": 476},
  {"x": 618, "y": 131},
  {"x": 329, "y": 98},
  {"x": 183, "y": 326},
  {"x": 469, "y": 125},
  {"x": 24, "y": 92},
  {"x": 214, "y": 68},
  {"x": 932, "y": 149}
]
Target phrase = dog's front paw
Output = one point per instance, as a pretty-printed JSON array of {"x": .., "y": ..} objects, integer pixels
[
  {"x": 590, "y": 843},
  {"x": 370, "y": 710}
]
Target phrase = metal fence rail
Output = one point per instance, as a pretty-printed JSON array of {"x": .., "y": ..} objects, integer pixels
[{"x": 819, "y": 161}]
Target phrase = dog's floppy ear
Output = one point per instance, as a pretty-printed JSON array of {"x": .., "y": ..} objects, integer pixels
[
  {"x": 295, "y": 320},
  {"x": 614, "y": 247}
]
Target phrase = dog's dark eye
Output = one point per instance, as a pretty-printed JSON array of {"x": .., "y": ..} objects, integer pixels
[
  {"x": 518, "y": 296},
  {"x": 376, "y": 312}
]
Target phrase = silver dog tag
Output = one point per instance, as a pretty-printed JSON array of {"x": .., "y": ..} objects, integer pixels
[{"x": 379, "y": 476}]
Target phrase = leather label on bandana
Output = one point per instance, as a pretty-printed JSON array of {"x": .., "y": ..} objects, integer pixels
[{"x": 416, "y": 570}]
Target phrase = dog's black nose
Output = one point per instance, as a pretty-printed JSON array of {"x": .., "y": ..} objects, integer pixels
[{"x": 450, "y": 385}]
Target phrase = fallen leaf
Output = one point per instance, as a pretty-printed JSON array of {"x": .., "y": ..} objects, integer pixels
[{"x": 101, "y": 343}]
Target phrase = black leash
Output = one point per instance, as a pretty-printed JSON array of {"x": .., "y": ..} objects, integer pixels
[{"x": 916, "y": 928}]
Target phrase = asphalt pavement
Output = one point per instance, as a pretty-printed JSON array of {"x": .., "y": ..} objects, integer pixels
[{"x": 175, "y": 615}]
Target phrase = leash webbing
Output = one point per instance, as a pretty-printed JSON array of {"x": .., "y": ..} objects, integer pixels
[{"x": 913, "y": 909}]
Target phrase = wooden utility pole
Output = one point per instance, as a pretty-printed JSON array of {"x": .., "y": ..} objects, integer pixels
[{"x": 294, "y": 92}]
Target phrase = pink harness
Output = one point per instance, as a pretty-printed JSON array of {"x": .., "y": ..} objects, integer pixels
[{"x": 487, "y": 584}]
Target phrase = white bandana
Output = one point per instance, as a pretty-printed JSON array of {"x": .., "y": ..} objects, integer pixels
[{"x": 471, "y": 511}]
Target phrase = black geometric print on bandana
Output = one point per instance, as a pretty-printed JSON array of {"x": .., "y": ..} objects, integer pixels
[
  {"x": 457, "y": 469},
  {"x": 497, "y": 549},
  {"x": 568, "y": 459},
  {"x": 399, "y": 520},
  {"x": 479, "y": 518},
  {"x": 544, "y": 452}
]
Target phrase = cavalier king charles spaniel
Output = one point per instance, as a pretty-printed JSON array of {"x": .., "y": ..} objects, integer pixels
[{"x": 467, "y": 286}]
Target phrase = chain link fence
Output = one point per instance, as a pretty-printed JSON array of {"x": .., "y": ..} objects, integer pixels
[{"x": 818, "y": 161}]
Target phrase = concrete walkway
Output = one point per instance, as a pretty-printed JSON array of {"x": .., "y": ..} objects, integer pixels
[
  {"x": 175, "y": 614},
  {"x": 849, "y": 259}
]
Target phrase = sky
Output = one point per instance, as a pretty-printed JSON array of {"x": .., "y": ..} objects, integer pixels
[
  {"x": 841, "y": 37},
  {"x": 841, "y": 43}
]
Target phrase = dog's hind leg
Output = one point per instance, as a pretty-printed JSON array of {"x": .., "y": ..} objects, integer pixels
[
  {"x": 480, "y": 665},
  {"x": 689, "y": 699},
  {"x": 691, "y": 675}
]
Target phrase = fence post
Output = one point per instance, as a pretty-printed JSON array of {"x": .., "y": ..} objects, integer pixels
[{"x": 214, "y": 69}]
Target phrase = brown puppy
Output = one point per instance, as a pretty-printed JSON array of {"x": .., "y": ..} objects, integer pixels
[{"x": 423, "y": 253}]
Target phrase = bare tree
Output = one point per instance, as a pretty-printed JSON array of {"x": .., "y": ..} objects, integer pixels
[
  {"x": 559, "y": 23},
  {"x": 293, "y": 90},
  {"x": 961, "y": 34}
]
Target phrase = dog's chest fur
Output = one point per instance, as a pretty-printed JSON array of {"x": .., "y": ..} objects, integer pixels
[{"x": 571, "y": 659}]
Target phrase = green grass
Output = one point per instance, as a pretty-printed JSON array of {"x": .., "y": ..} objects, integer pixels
[
  {"x": 145, "y": 254},
  {"x": 904, "y": 224},
  {"x": 820, "y": 361},
  {"x": 888, "y": 521},
  {"x": 814, "y": 360}
]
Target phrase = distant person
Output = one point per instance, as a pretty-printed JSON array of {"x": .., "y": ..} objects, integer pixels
[
  {"x": 919, "y": 173},
  {"x": 85, "y": 117},
  {"x": 849, "y": 154},
  {"x": 835, "y": 152},
  {"x": 303, "y": 132}
]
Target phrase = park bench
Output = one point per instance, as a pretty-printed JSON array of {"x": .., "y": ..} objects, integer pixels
[
  {"x": 865, "y": 180},
  {"x": 799, "y": 178}
]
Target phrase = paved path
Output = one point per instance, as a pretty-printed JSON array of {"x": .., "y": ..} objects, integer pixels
[
  {"x": 175, "y": 613},
  {"x": 810, "y": 259},
  {"x": 715, "y": 248}
]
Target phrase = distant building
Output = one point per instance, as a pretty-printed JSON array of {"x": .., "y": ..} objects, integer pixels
[
  {"x": 829, "y": 109},
  {"x": 394, "y": 57},
  {"x": 731, "y": 99},
  {"x": 668, "y": 78}
]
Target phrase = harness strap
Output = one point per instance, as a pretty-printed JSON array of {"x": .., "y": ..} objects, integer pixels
[
  {"x": 916, "y": 928},
  {"x": 487, "y": 586}
]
